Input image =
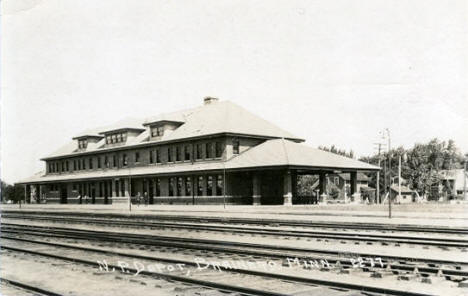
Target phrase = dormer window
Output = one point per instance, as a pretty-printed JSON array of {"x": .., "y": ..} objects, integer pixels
[
  {"x": 82, "y": 144},
  {"x": 116, "y": 138},
  {"x": 157, "y": 131}
]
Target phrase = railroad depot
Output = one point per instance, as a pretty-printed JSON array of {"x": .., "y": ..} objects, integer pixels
[{"x": 217, "y": 152}]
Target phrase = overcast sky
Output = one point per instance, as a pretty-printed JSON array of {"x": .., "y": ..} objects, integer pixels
[{"x": 332, "y": 72}]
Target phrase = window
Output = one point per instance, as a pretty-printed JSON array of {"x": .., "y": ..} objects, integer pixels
[
  {"x": 219, "y": 185},
  {"x": 83, "y": 164},
  {"x": 171, "y": 186},
  {"x": 208, "y": 152},
  {"x": 82, "y": 144},
  {"x": 67, "y": 166},
  {"x": 199, "y": 151},
  {"x": 235, "y": 146},
  {"x": 209, "y": 186},
  {"x": 117, "y": 191},
  {"x": 218, "y": 149},
  {"x": 179, "y": 186},
  {"x": 200, "y": 186},
  {"x": 188, "y": 186},
  {"x": 50, "y": 168},
  {"x": 178, "y": 153},
  {"x": 158, "y": 156},
  {"x": 114, "y": 161},
  {"x": 158, "y": 187},
  {"x": 106, "y": 161},
  {"x": 90, "y": 163},
  {"x": 137, "y": 156},
  {"x": 157, "y": 131},
  {"x": 151, "y": 156},
  {"x": 125, "y": 160},
  {"x": 74, "y": 164},
  {"x": 99, "y": 162},
  {"x": 122, "y": 188},
  {"x": 187, "y": 153},
  {"x": 79, "y": 164},
  {"x": 114, "y": 138},
  {"x": 169, "y": 154}
]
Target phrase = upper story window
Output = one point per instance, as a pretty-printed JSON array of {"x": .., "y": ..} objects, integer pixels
[
  {"x": 90, "y": 163},
  {"x": 169, "y": 154},
  {"x": 157, "y": 131},
  {"x": 209, "y": 151},
  {"x": 99, "y": 162},
  {"x": 125, "y": 160},
  {"x": 235, "y": 146},
  {"x": 187, "y": 153},
  {"x": 114, "y": 161},
  {"x": 116, "y": 138},
  {"x": 199, "y": 151},
  {"x": 178, "y": 153},
  {"x": 151, "y": 159},
  {"x": 106, "y": 161},
  {"x": 82, "y": 144},
  {"x": 137, "y": 156},
  {"x": 218, "y": 149},
  {"x": 158, "y": 156}
]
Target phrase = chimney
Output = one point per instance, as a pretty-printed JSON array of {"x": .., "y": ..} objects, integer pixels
[{"x": 209, "y": 100}]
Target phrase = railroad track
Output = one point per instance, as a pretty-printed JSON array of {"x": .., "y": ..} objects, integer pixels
[
  {"x": 252, "y": 276},
  {"x": 452, "y": 270},
  {"x": 28, "y": 289},
  {"x": 249, "y": 221},
  {"x": 361, "y": 237}
]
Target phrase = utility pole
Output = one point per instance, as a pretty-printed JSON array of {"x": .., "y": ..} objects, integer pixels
[
  {"x": 378, "y": 178},
  {"x": 399, "y": 177},
  {"x": 465, "y": 175}
]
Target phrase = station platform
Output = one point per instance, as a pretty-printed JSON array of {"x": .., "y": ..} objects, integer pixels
[{"x": 446, "y": 215}]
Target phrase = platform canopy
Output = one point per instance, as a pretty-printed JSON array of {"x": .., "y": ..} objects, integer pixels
[{"x": 281, "y": 152}]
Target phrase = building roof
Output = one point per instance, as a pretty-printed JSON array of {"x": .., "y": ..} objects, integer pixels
[
  {"x": 288, "y": 153},
  {"x": 211, "y": 119},
  {"x": 360, "y": 177},
  {"x": 271, "y": 153},
  {"x": 404, "y": 189},
  {"x": 456, "y": 175}
]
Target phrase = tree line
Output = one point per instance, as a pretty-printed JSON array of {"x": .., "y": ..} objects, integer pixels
[{"x": 11, "y": 192}]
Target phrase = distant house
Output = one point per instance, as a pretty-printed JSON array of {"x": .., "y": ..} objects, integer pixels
[
  {"x": 407, "y": 195},
  {"x": 452, "y": 184},
  {"x": 340, "y": 188}
]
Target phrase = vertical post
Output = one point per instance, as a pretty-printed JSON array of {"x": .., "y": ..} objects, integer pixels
[
  {"x": 399, "y": 177},
  {"x": 323, "y": 186},
  {"x": 287, "y": 183},
  {"x": 389, "y": 176},
  {"x": 256, "y": 184},
  {"x": 465, "y": 175},
  {"x": 377, "y": 197}
]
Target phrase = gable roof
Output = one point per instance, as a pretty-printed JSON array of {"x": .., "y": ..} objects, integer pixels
[
  {"x": 211, "y": 119},
  {"x": 279, "y": 152}
]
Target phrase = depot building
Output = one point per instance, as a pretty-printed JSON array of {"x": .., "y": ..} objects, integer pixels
[{"x": 212, "y": 154}]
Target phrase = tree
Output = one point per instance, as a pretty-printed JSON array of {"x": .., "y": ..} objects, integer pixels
[
  {"x": 14, "y": 193},
  {"x": 424, "y": 163},
  {"x": 335, "y": 150}
]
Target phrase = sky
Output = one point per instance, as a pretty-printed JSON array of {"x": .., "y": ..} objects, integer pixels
[{"x": 331, "y": 72}]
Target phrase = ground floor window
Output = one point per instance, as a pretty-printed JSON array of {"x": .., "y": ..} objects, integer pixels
[
  {"x": 158, "y": 187},
  {"x": 200, "y": 186},
  {"x": 219, "y": 185},
  {"x": 171, "y": 186},
  {"x": 209, "y": 186},
  {"x": 188, "y": 186}
]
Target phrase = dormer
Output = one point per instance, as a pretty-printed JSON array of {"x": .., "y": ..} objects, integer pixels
[
  {"x": 84, "y": 140},
  {"x": 121, "y": 136},
  {"x": 162, "y": 125}
]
